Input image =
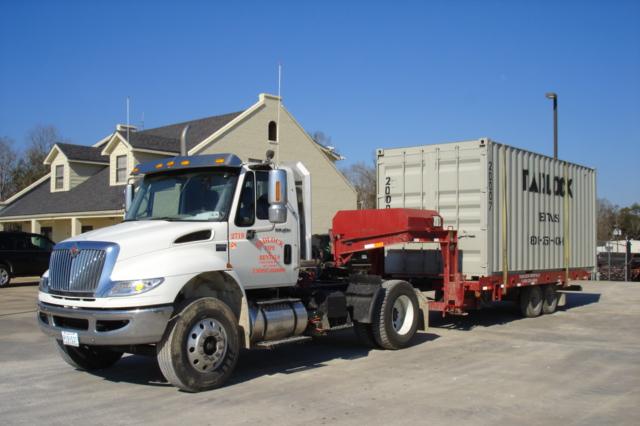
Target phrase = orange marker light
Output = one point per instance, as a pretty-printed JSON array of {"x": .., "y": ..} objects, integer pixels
[
  {"x": 219, "y": 160},
  {"x": 159, "y": 166},
  {"x": 136, "y": 170},
  {"x": 171, "y": 163},
  {"x": 277, "y": 192},
  {"x": 185, "y": 162}
]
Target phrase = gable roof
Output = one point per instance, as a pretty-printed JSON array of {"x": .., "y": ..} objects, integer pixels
[
  {"x": 94, "y": 194},
  {"x": 167, "y": 138},
  {"x": 82, "y": 153}
]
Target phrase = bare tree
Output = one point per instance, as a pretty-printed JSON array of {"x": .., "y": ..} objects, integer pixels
[
  {"x": 363, "y": 177},
  {"x": 607, "y": 216},
  {"x": 30, "y": 167},
  {"x": 321, "y": 138},
  {"x": 8, "y": 160}
]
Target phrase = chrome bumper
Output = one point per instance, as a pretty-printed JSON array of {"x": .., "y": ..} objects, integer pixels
[{"x": 105, "y": 327}]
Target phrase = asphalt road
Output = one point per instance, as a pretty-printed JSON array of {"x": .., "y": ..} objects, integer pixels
[{"x": 578, "y": 366}]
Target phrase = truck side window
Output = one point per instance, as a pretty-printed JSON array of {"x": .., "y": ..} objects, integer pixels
[
  {"x": 246, "y": 214},
  {"x": 262, "y": 195}
]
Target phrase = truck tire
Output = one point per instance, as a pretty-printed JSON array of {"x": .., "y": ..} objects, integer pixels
[
  {"x": 364, "y": 333},
  {"x": 5, "y": 275},
  {"x": 200, "y": 347},
  {"x": 549, "y": 299},
  {"x": 531, "y": 301},
  {"x": 396, "y": 318},
  {"x": 88, "y": 358}
]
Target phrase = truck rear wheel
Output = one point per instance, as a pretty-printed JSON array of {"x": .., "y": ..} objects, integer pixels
[
  {"x": 200, "y": 348},
  {"x": 88, "y": 358},
  {"x": 531, "y": 301},
  {"x": 396, "y": 318},
  {"x": 549, "y": 299},
  {"x": 364, "y": 332}
]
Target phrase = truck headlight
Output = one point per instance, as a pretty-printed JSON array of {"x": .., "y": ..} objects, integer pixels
[
  {"x": 133, "y": 287},
  {"x": 44, "y": 281}
]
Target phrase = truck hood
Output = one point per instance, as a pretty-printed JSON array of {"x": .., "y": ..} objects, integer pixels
[{"x": 145, "y": 236}]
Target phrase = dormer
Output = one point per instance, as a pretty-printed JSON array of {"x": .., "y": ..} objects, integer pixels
[
  {"x": 128, "y": 147},
  {"x": 71, "y": 165}
]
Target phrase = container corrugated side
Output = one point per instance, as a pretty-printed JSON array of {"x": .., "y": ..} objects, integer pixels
[{"x": 463, "y": 181}]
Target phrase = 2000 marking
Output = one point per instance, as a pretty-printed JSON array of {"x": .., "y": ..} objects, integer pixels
[{"x": 387, "y": 192}]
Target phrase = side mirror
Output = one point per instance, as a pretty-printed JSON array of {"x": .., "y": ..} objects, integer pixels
[
  {"x": 277, "y": 196},
  {"x": 128, "y": 197}
]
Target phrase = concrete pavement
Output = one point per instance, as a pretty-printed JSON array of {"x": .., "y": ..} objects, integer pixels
[{"x": 578, "y": 366}]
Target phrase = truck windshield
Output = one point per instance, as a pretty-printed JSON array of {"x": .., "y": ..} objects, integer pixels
[{"x": 184, "y": 196}]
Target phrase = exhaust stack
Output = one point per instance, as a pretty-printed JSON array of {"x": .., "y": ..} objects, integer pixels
[{"x": 183, "y": 140}]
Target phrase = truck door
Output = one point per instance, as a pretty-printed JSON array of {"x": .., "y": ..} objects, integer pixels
[{"x": 263, "y": 255}]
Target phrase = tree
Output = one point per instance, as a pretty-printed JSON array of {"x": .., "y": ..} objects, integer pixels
[
  {"x": 363, "y": 177},
  {"x": 321, "y": 138},
  {"x": 30, "y": 167},
  {"x": 629, "y": 221},
  {"x": 7, "y": 167},
  {"x": 607, "y": 216}
]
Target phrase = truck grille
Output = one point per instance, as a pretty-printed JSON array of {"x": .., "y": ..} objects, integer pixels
[{"x": 76, "y": 270}]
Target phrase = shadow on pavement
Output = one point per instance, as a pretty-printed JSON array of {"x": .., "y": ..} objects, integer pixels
[
  {"x": 24, "y": 283},
  {"x": 288, "y": 359},
  {"x": 502, "y": 313}
]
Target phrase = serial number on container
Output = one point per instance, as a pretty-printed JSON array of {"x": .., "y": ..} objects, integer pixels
[{"x": 537, "y": 240}]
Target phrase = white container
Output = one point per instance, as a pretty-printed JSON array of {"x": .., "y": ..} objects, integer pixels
[{"x": 534, "y": 224}]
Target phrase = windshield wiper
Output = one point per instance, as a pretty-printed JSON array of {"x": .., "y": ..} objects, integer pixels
[{"x": 167, "y": 218}]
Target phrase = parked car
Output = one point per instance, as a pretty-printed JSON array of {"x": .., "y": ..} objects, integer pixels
[{"x": 23, "y": 255}]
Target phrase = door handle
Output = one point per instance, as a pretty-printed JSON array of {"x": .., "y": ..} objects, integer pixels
[{"x": 251, "y": 234}]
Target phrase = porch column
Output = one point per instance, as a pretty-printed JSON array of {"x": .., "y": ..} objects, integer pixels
[
  {"x": 76, "y": 226},
  {"x": 1, "y": 227},
  {"x": 35, "y": 226}
]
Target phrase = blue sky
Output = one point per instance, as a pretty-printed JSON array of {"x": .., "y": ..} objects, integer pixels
[{"x": 369, "y": 74}]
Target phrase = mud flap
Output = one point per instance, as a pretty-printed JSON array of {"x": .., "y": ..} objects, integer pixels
[{"x": 423, "y": 305}]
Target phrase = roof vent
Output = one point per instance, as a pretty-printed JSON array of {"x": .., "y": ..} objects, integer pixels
[{"x": 124, "y": 127}]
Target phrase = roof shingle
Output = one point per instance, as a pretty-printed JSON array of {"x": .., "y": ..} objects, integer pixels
[{"x": 82, "y": 153}]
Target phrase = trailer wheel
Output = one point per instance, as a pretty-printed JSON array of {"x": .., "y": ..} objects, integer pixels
[
  {"x": 200, "y": 348},
  {"x": 396, "y": 318},
  {"x": 364, "y": 332},
  {"x": 88, "y": 358},
  {"x": 531, "y": 301},
  {"x": 549, "y": 299}
]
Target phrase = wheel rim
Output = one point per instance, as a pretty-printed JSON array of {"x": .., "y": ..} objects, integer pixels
[
  {"x": 207, "y": 345},
  {"x": 402, "y": 314},
  {"x": 4, "y": 276}
]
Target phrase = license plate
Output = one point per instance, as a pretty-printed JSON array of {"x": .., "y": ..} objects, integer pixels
[{"x": 70, "y": 339}]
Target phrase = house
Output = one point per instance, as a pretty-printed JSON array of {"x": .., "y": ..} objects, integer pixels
[{"x": 84, "y": 188}]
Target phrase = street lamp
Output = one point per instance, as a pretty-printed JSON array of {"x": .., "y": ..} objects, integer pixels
[{"x": 554, "y": 97}]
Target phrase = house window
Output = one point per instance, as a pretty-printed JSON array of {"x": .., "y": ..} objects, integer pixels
[
  {"x": 86, "y": 228},
  {"x": 273, "y": 131},
  {"x": 47, "y": 231},
  {"x": 121, "y": 168},
  {"x": 60, "y": 177}
]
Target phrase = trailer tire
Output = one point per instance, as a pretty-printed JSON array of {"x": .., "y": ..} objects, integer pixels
[
  {"x": 396, "y": 318},
  {"x": 549, "y": 299},
  {"x": 531, "y": 301},
  {"x": 200, "y": 347},
  {"x": 88, "y": 358},
  {"x": 364, "y": 333}
]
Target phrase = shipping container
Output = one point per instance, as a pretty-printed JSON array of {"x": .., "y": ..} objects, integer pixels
[{"x": 514, "y": 210}]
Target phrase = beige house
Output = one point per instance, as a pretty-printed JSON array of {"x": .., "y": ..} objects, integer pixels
[{"x": 84, "y": 189}]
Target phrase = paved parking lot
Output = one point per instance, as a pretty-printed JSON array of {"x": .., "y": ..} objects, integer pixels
[{"x": 578, "y": 366}]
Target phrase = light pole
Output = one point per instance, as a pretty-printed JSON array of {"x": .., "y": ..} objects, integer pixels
[{"x": 554, "y": 97}]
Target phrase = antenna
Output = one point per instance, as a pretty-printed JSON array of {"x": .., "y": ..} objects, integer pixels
[
  {"x": 127, "y": 119},
  {"x": 142, "y": 123},
  {"x": 278, "y": 116}
]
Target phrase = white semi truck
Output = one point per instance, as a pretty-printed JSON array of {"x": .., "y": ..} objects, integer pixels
[{"x": 216, "y": 254}]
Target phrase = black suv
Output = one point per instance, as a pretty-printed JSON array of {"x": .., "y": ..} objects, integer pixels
[{"x": 23, "y": 255}]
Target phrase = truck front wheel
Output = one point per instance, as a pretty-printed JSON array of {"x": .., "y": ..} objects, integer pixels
[
  {"x": 200, "y": 347},
  {"x": 396, "y": 318},
  {"x": 87, "y": 357}
]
